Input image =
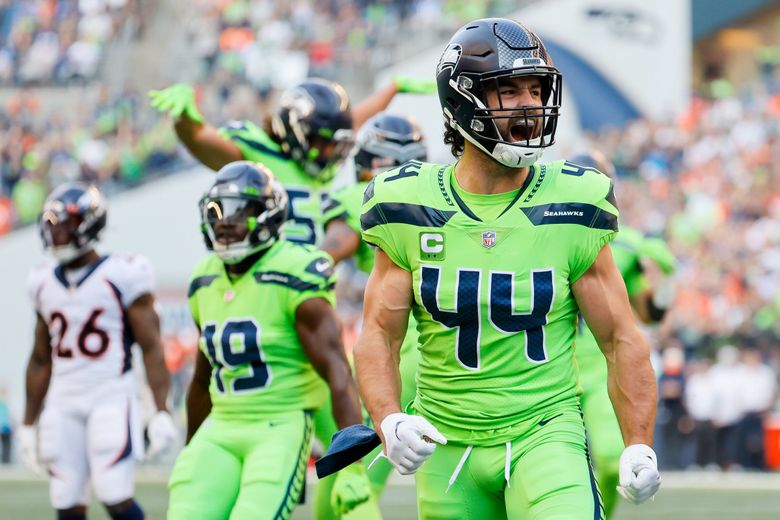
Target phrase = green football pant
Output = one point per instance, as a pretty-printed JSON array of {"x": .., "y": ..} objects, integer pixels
[
  {"x": 325, "y": 427},
  {"x": 242, "y": 469},
  {"x": 543, "y": 474},
  {"x": 604, "y": 437}
]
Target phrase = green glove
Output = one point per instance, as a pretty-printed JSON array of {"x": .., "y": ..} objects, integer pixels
[
  {"x": 177, "y": 100},
  {"x": 656, "y": 250},
  {"x": 412, "y": 85},
  {"x": 351, "y": 488}
]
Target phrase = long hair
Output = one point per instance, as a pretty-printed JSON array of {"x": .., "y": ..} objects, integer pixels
[{"x": 453, "y": 138}]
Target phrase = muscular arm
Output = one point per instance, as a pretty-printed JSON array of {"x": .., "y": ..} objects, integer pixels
[
  {"x": 206, "y": 144},
  {"x": 341, "y": 241},
  {"x": 320, "y": 334},
  {"x": 601, "y": 295},
  {"x": 374, "y": 104},
  {"x": 38, "y": 372},
  {"x": 145, "y": 324},
  {"x": 377, "y": 352},
  {"x": 198, "y": 398}
]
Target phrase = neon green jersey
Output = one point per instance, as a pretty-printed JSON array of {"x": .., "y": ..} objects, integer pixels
[
  {"x": 345, "y": 205},
  {"x": 625, "y": 251},
  {"x": 493, "y": 299},
  {"x": 306, "y": 193},
  {"x": 248, "y": 330}
]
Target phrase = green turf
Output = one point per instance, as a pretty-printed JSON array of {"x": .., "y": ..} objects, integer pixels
[{"x": 28, "y": 500}]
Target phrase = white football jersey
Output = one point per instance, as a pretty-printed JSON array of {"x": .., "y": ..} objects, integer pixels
[{"x": 86, "y": 311}]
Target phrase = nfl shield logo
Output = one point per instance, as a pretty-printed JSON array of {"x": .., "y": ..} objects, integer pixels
[{"x": 488, "y": 239}]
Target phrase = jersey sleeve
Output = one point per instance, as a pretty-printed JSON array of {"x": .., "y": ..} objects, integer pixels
[
  {"x": 253, "y": 142},
  {"x": 598, "y": 202},
  {"x": 379, "y": 200},
  {"x": 137, "y": 279},
  {"x": 35, "y": 280},
  {"x": 315, "y": 277}
]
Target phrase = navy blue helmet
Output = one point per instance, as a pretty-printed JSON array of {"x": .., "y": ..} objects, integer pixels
[
  {"x": 314, "y": 123},
  {"x": 243, "y": 212},
  {"x": 386, "y": 141},
  {"x": 77, "y": 212}
]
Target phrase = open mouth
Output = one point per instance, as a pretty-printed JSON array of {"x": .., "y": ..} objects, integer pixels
[{"x": 521, "y": 130}]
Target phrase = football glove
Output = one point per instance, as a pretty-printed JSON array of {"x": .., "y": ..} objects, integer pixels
[
  {"x": 28, "y": 448},
  {"x": 177, "y": 100},
  {"x": 411, "y": 85},
  {"x": 639, "y": 477},
  {"x": 656, "y": 250},
  {"x": 350, "y": 489},
  {"x": 409, "y": 441},
  {"x": 162, "y": 433}
]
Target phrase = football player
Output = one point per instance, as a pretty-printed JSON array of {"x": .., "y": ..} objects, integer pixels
[
  {"x": 632, "y": 253},
  {"x": 384, "y": 142},
  {"x": 303, "y": 142},
  {"x": 90, "y": 310},
  {"x": 495, "y": 255},
  {"x": 270, "y": 346}
]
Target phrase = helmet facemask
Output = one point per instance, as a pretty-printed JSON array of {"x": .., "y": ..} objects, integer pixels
[
  {"x": 515, "y": 136},
  {"x": 379, "y": 148},
  {"x": 83, "y": 220},
  {"x": 236, "y": 227}
]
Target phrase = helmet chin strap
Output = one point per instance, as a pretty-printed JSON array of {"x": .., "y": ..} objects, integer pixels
[
  {"x": 513, "y": 156},
  {"x": 68, "y": 253}
]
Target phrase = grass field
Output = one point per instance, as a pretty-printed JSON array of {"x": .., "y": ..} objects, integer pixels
[{"x": 684, "y": 496}]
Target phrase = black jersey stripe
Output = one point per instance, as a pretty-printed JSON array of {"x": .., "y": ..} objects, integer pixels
[
  {"x": 579, "y": 213},
  {"x": 290, "y": 281},
  {"x": 403, "y": 213},
  {"x": 200, "y": 282}
]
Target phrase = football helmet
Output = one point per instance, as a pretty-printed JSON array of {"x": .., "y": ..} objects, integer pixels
[
  {"x": 243, "y": 211},
  {"x": 479, "y": 56},
  {"x": 314, "y": 123},
  {"x": 72, "y": 220},
  {"x": 386, "y": 141}
]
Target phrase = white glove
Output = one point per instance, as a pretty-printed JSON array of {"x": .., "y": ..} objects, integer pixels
[
  {"x": 28, "y": 448},
  {"x": 639, "y": 477},
  {"x": 409, "y": 441},
  {"x": 162, "y": 433}
]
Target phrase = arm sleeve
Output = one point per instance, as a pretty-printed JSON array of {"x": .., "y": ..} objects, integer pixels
[
  {"x": 138, "y": 279},
  {"x": 602, "y": 229},
  {"x": 375, "y": 227}
]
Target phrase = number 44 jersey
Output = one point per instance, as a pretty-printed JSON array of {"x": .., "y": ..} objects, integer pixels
[
  {"x": 492, "y": 298},
  {"x": 248, "y": 333},
  {"x": 86, "y": 314}
]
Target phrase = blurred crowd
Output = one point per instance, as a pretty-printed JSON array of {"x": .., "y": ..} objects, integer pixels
[
  {"x": 59, "y": 41},
  {"x": 113, "y": 137}
]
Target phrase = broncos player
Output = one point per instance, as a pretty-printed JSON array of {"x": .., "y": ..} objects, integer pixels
[
  {"x": 384, "y": 142},
  {"x": 632, "y": 253},
  {"x": 90, "y": 310},
  {"x": 495, "y": 255},
  {"x": 270, "y": 346}
]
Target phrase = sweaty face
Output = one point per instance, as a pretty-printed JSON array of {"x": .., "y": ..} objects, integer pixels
[
  {"x": 231, "y": 218},
  {"x": 513, "y": 101}
]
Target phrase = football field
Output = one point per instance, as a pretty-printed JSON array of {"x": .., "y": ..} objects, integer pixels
[{"x": 684, "y": 496}]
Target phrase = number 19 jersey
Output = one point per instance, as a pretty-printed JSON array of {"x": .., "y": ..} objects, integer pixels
[
  {"x": 493, "y": 298},
  {"x": 248, "y": 331}
]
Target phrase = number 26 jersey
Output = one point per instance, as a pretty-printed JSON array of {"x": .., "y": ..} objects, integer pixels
[{"x": 492, "y": 298}]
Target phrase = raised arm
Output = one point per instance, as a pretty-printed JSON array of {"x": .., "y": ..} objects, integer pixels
[
  {"x": 201, "y": 139},
  {"x": 341, "y": 241},
  {"x": 319, "y": 331}
]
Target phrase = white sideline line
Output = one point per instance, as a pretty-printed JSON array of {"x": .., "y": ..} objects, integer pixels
[{"x": 700, "y": 480}]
